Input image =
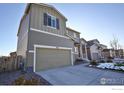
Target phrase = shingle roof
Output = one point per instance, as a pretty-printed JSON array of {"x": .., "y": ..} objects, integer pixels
[
  {"x": 107, "y": 50},
  {"x": 83, "y": 39},
  {"x": 103, "y": 45},
  {"x": 91, "y": 42}
]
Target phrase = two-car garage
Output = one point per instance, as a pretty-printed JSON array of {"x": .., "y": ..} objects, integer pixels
[{"x": 48, "y": 57}]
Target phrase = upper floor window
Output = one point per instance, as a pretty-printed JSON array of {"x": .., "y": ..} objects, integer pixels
[
  {"x": 75, "y": 36},
  {"x": 51, "y": 21}
]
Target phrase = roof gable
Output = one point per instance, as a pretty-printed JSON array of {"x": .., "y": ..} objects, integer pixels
[
  {"x": 46, "y": 5},
  {"x": 92, "y": 42}
]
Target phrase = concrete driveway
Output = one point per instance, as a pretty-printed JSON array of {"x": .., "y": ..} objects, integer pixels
[{"x": 82, "y": 75}]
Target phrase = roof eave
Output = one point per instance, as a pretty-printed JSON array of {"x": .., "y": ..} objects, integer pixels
[
  {"x": 50, "y": 6},
  {"x": 73, "y": 30}
]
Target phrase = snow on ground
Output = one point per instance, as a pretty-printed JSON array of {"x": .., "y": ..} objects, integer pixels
[{"x": 110, "y": 66}]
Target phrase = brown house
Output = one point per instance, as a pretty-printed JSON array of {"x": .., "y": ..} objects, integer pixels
[{"x": 113, "y": 53}]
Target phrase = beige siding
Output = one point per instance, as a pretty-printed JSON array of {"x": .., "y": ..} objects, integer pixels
[
  {"x": 71, "y": 33},
  {"x": 37, "y": 21},
  {"x": 95, "y": 53}
]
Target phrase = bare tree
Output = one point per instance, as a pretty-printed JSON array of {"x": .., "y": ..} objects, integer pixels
[{"x": 115, "y": 43}]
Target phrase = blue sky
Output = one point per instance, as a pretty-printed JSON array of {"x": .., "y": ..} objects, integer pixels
[{"x": 100, "y": 21}]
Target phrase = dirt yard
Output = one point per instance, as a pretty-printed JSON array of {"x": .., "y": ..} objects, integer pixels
[{"x": 7, "y": 78}]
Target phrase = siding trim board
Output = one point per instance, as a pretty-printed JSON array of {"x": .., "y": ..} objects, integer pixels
[
  {"x": 31, "y": 51},
  {"x": 49, "y": 47},
  {"x": 37, "y": 30}
]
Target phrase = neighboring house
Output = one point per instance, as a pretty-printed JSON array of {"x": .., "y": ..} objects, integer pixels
[
  {"x": 108, "y": 53},
  {"x": 102, "y": 47},
  {"x": 75, "y": 36},
  {"x": 8, "y": 63},
  {"x": 84, "y": 49},
  {"x": 93, "y": 49},
  {"x": 119, "y": 53},
  {"x": 44, "y": 41}
]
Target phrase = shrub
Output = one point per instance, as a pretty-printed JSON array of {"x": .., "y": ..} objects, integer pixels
[
  {"x": 119, "y": 64},
  {"x": 93, "y": 62},
  {"x": 109, "y": 61},
  {"x": 102, "y": 61},
  {"x": 22, "y": 81}
]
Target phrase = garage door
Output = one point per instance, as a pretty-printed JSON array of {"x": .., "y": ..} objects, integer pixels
[{"x": 52, "y": 58}]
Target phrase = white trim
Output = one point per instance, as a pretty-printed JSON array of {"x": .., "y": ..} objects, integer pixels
[
  {"x": 64, "y": 48},
  {"x": 51, "y": 47},
  {"x": 74, "y": 53},
  {"x": 51, "y": 27},
  {"x": 76, "y": 49},
  {"x": 33, "y": 29},
  {"x": 52, "y": 18},
  {"x": 34, "y": 59},
  {"x": 51, "y": 15},
  {"x": 31, "y": 51},
  {"x": 44, "y": 46}
]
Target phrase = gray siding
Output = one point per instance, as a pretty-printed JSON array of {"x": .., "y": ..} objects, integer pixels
[
  {"x": 27, "y": 38},
  {"x": 23, "y": 37},
  {"x": 37, "y": 19},
  {"x": 45, "y": 39}
]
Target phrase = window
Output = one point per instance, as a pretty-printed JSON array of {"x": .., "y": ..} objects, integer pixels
[
  {"x": 75, "y": 35},
  {"x": 51, "y": 21},
  {"x": 76, "y": 49}
]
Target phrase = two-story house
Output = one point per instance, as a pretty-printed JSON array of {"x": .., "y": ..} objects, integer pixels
[
  {"x": 44, "y": 41},
  {"x": 93, "y": 49},
  {"x": 75, "y": 36}
]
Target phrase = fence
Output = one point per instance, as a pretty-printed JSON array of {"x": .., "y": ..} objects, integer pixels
[{"x": 10, "y": 63}]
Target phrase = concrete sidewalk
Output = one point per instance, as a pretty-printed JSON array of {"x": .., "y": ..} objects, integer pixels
[{"x": 82, "y": 75}]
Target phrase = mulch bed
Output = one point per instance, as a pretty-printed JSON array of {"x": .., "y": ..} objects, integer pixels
[{"x": 7, "y": 78}]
